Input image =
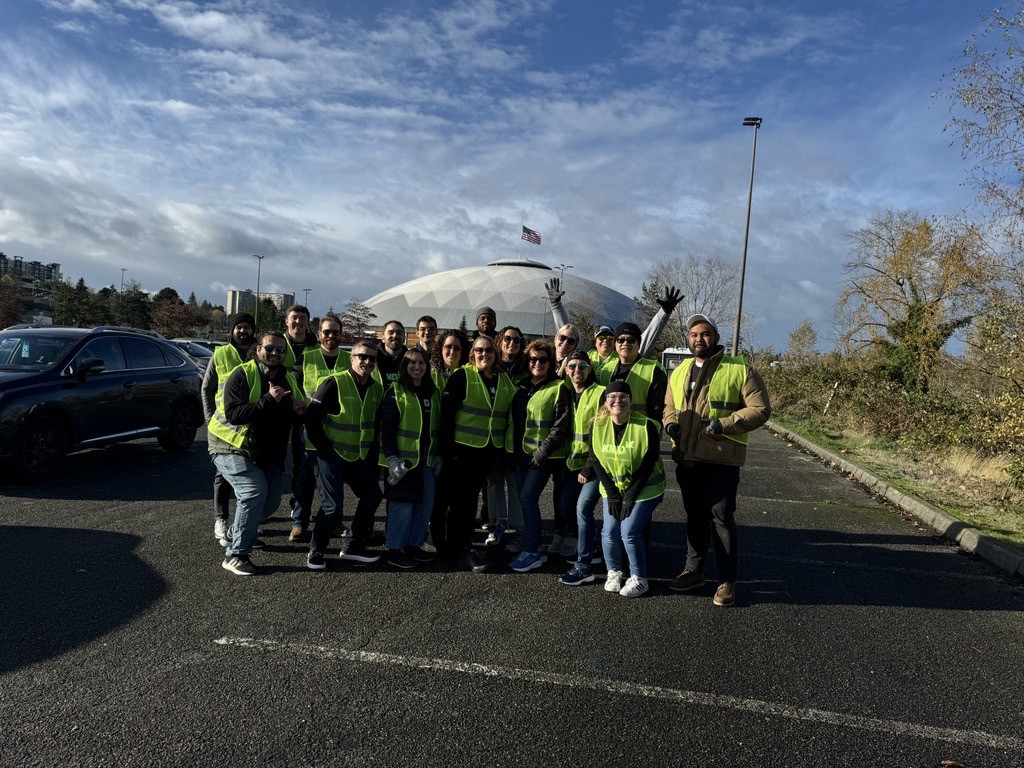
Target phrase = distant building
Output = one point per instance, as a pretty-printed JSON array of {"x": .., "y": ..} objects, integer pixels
[
  {"x": 245, "y": 301},
  {"x": 15, "y": 266}
]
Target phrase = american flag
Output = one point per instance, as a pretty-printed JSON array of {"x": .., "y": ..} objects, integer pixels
[{"x": 531, "y": 236}]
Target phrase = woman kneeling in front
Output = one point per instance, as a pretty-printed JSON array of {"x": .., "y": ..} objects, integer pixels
[{"x": 626, "y": 456}]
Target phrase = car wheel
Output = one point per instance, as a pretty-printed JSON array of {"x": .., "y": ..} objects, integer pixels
[
  {"x": 182, "y": 431},
  {"x": 40, "y": 448}
]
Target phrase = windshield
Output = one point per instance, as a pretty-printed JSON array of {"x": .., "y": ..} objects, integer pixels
[
  {"x": 32, "y": 353},
  {"x": 194, "y": 349}
]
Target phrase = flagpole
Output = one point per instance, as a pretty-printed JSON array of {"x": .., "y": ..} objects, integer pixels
[{"x": 521, "y": 243}]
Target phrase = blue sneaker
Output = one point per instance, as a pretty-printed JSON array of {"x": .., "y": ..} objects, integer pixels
[
  {"x": 527, "y": 561},
  {"x": 577, "y": 576}
]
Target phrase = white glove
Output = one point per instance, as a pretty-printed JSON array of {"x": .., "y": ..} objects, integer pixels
[{"x": 396, "y": 469}]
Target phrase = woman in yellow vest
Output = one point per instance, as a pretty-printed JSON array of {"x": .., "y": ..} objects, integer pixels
[
  {"x": 625, "y": 452},
  {"x": 474, "y": 410},
  {"x": 581, "y": 492},
  {"x": 540, "y": 426},
  {"x": 451, "y": 352},
  {"x": 410, "y": 413}
]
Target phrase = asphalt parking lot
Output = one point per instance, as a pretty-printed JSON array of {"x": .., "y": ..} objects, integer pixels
[{"x": 858, "y": 640}]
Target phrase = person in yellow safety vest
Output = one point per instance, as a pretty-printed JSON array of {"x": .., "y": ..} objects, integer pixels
[
  {"x": 580, "y": 492},
  {"x": 647, "y": 379},
  {"x": 226, "y": 358},
  {"x": 318, "y": 363},
  {"x": 474, "y": 412},
  {"x": 451, "y": 352},
  {"x": 540, "y": 427},
  {"x": 248, "y": 439},
  {"x": 625, "y": 453},
  {"x": 341, "y": 423},
  {"x": 604, "y": 346},
  {"x": 713, "y": 402},
  {"x": 409, "y": 417},
  {"x": 298, "y": 339}
]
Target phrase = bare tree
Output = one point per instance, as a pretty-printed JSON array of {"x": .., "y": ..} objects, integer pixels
[{"x": 709, "y": 285}]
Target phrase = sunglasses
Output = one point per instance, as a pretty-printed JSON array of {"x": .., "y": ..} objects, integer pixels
[
  {"x": 574, "y": 366},
  {"x": 626, "y": 340},
  {"x": 330, "y": 332},
  {"x": 452, "y": 348},
  {"x": 271, "y": 349},
  {"x": 512, "y": 339},
  {"x": 564, "y": 339},
  {"x": 483, "y": 350},
  {"x": 539, "y": 360},
  {"x": 364, "y": 356}
]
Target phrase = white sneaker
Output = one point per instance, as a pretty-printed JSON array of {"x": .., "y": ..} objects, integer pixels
[
  {"x": 569, "y": 546},
  {"x": 613, "y": 581},
  {"x": 220, "y": 528},
  {"x": 556, "y": 544},
  {"x": 634, "y": 587}
]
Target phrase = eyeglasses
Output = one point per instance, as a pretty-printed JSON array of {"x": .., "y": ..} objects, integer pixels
[
  {"x": 364, "y": 357},
  {"x": 539, "y": 360},
  {"x": 512, "y": 339},
  {"x": 567, "y": 339},
  {"x": 329, "y": 332},
  {"x": 617, "y": 398},
  {"x": 271, "y": 349},
  {"x": 626, "y": 340},
  {"x": 574, "y": 366}
]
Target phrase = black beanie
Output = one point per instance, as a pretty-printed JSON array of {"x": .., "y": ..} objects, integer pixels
[
  {"x": 618, "y": 386},
  {"x": 242, "y": 317},
  {"x": 578, "y": 354},
  {"x": 632, "y": 329}
]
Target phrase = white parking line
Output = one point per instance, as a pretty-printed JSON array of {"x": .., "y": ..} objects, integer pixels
[{"x": 890, "y": 727}]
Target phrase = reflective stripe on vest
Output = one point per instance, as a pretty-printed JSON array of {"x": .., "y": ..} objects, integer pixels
[
  {"x": 351, "y": 429},
  {"x": 225, "y": 360},
  {"x": 540, "y": 418},
  {"x": 235, "y": 434},
  {"x": 477, "y": 419},
  {"x": 725, "y": 392},
  {"x": 582, "y": 421},
  {"x": 622, "y": 460},
  {"x": 410, "y": 425}
]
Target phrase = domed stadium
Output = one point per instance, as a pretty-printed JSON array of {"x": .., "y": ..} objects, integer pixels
[{"x": 513, "y": 288}]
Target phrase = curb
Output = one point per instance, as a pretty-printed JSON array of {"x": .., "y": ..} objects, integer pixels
[{"x": 969, "y": 539}]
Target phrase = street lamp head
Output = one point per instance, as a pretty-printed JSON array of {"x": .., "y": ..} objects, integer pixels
[{"x": 752, "y": 122}]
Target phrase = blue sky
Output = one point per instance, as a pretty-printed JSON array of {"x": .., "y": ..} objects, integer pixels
[{"x": 356, "y": 145}]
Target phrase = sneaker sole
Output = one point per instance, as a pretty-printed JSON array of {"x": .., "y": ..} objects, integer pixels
[
  {"x": 531, "y": 567},
  {"x": 360, "y": 558},
  {"x": 690, "y": 588},
  {"x": 223, "y": 542},
  {"x": 612, "y": 588},
  {"x": 321, "y": 567},
  {"x": 635, "y": 594},
  {"x": 585, "y": 580},
  {"x": 724, "y": 603},
  {"x": 403, "y": 566}
]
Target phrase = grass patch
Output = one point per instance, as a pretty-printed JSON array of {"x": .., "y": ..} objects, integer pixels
[{"x": 973, "y": 488}]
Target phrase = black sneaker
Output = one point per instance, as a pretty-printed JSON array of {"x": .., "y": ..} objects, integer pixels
[
  {"x": 315, "y": 561},
  {"x": 686, "y": 581},
  {"x": 474, "y": 561},
  {"x": 259, "y": 544},
  {"x": 399, "y": 559},
  {"x": 239, "y": 565},
  {"x": 419, "y": 554},
  {"x": 357, "y": 552}
]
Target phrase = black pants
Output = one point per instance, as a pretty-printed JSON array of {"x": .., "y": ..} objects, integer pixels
[
  {"x": 332, "y": 475},
  {"x": 223, "y": 493},
  {"x": 303, "y": 479},
  {"x": 462, "y": 485},
  {"x": 709, "y": 498}
]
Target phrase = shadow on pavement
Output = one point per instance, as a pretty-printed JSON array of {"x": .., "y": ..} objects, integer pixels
[
  {"x": 63, "y": 588},
  {"x": 823, "y": 567}
]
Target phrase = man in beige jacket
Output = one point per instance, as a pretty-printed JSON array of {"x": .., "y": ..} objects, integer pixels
[{"x": 713, "y": 401}]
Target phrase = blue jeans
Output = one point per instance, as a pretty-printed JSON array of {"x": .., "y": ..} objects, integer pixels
[
  {"x": 631, "y": 532},
  {"x": 408, "y": 521},
  {"x": 257, "y": 492},
  {"x": 363, "y": 477},
  {"x": 588, "y": 498},
  {"x": 531, "y": 481}
]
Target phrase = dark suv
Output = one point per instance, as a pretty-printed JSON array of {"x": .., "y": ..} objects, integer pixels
[{"x": 66, "y": 389}]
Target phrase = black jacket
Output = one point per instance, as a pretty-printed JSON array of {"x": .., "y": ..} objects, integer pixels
[{"x": 270, "y": 422}]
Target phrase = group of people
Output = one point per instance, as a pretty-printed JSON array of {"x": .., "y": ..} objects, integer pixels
[{"x": 433, "y": 427}]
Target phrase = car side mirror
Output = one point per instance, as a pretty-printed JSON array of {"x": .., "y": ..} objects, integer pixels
[{"x": 90, "y": 365}]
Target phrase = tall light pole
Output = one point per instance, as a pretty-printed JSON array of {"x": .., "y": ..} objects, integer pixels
[
  {"x": 305, "y": 297},
  {"x": 755, "y": 123},
  {"x": 120, "y": 297},
  {"x": 562, "y": 268},
  {"x": 259, "y": 267}
]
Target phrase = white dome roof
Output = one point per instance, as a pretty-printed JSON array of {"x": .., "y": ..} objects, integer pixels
[{"x": 513, "y": 288}]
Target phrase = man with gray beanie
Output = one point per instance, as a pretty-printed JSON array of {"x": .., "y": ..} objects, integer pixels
[
  {"x": 486, "y": 322},
  {"x": 712, "y": 403}
]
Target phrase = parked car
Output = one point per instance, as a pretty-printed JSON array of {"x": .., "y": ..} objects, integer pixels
[
  {"x": 210, "y": 344},
  {"x": 67, "y": 389},
  {"x": 199, "y": 354}
]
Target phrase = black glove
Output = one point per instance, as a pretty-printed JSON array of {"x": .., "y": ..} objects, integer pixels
[
  {"x": 673, "y": 431},
  {"x": 555, "y": 292},
  {"x": 670, "y": 300},
  {"x": 714, "y": 427},
  {"x": 615, "y": 508}
]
